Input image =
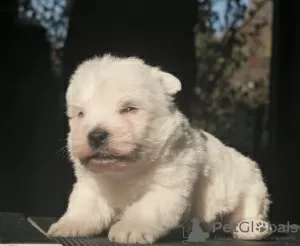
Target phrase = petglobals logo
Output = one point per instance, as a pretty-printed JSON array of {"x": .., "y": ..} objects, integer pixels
[
  {"x": 194, "y": 233},
  {"x": 255, "y": 226}
]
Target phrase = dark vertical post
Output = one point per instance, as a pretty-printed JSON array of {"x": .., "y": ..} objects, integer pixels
[
  {"x": 36, "y": 125},
  {"x": 8, "y": 10},
  {"x": 282, "y": 171}
]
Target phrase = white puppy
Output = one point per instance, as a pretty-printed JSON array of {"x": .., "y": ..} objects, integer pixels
[{"x": 141, "y": 169}]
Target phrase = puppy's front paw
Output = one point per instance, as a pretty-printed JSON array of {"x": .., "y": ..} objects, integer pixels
[
  {"x": 252, "y": 230},
  {"x": 68, "y": 227},
  {"x": 136, "y": 233}
]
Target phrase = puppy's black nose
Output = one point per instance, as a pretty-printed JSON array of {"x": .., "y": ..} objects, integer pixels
[{"x": 97, "y": 137}]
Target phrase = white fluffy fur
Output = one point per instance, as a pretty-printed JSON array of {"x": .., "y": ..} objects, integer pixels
[{"x": 175, "y": 172}]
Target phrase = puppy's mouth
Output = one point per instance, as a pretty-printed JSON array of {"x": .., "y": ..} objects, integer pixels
[
  {"x": 103, "y": 159},
  {"x": 105, "y": 163}
]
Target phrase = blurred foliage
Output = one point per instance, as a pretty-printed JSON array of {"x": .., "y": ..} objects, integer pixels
[
  {"x": 50, "y": 14},
  {"x": 53, "y": 15},
  {"x": 228, "y": 90}
]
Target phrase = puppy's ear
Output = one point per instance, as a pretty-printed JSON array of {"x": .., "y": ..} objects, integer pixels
[{"x": 171, "y": 84}]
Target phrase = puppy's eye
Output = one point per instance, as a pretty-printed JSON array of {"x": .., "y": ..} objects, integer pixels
[
  {"x": 80, "y": 114},
  {"x": 127, "y": 110}
]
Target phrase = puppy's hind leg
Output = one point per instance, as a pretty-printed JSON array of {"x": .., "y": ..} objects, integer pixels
[{"x": 250, "y": 218}]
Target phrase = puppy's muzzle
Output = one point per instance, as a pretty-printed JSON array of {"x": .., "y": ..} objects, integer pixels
[{"x": 97, "y": 138}]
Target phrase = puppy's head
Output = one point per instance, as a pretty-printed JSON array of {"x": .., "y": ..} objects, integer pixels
[{"x": 114, "y": 105}]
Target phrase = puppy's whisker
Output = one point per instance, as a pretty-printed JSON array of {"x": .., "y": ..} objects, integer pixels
[
  {"x": 63, "y": 151},
  {"x": 62, "y": 140}
]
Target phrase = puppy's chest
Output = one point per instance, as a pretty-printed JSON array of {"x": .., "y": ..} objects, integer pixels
[{"x": 120, "y": 195}]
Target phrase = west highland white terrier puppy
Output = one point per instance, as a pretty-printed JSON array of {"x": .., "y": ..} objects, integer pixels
[{"x": 141, "y": 168}]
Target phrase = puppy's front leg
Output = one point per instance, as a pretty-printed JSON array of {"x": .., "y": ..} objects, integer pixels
[
  {"x": 160, "y": 210},
  {"x": 87, "y": 214}
]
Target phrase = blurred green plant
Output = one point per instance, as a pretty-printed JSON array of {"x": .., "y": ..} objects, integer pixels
[{"x": 227, "y": 91}]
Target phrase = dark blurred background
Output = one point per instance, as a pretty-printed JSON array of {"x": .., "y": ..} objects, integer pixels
[{"x": 238, "y": 61}]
